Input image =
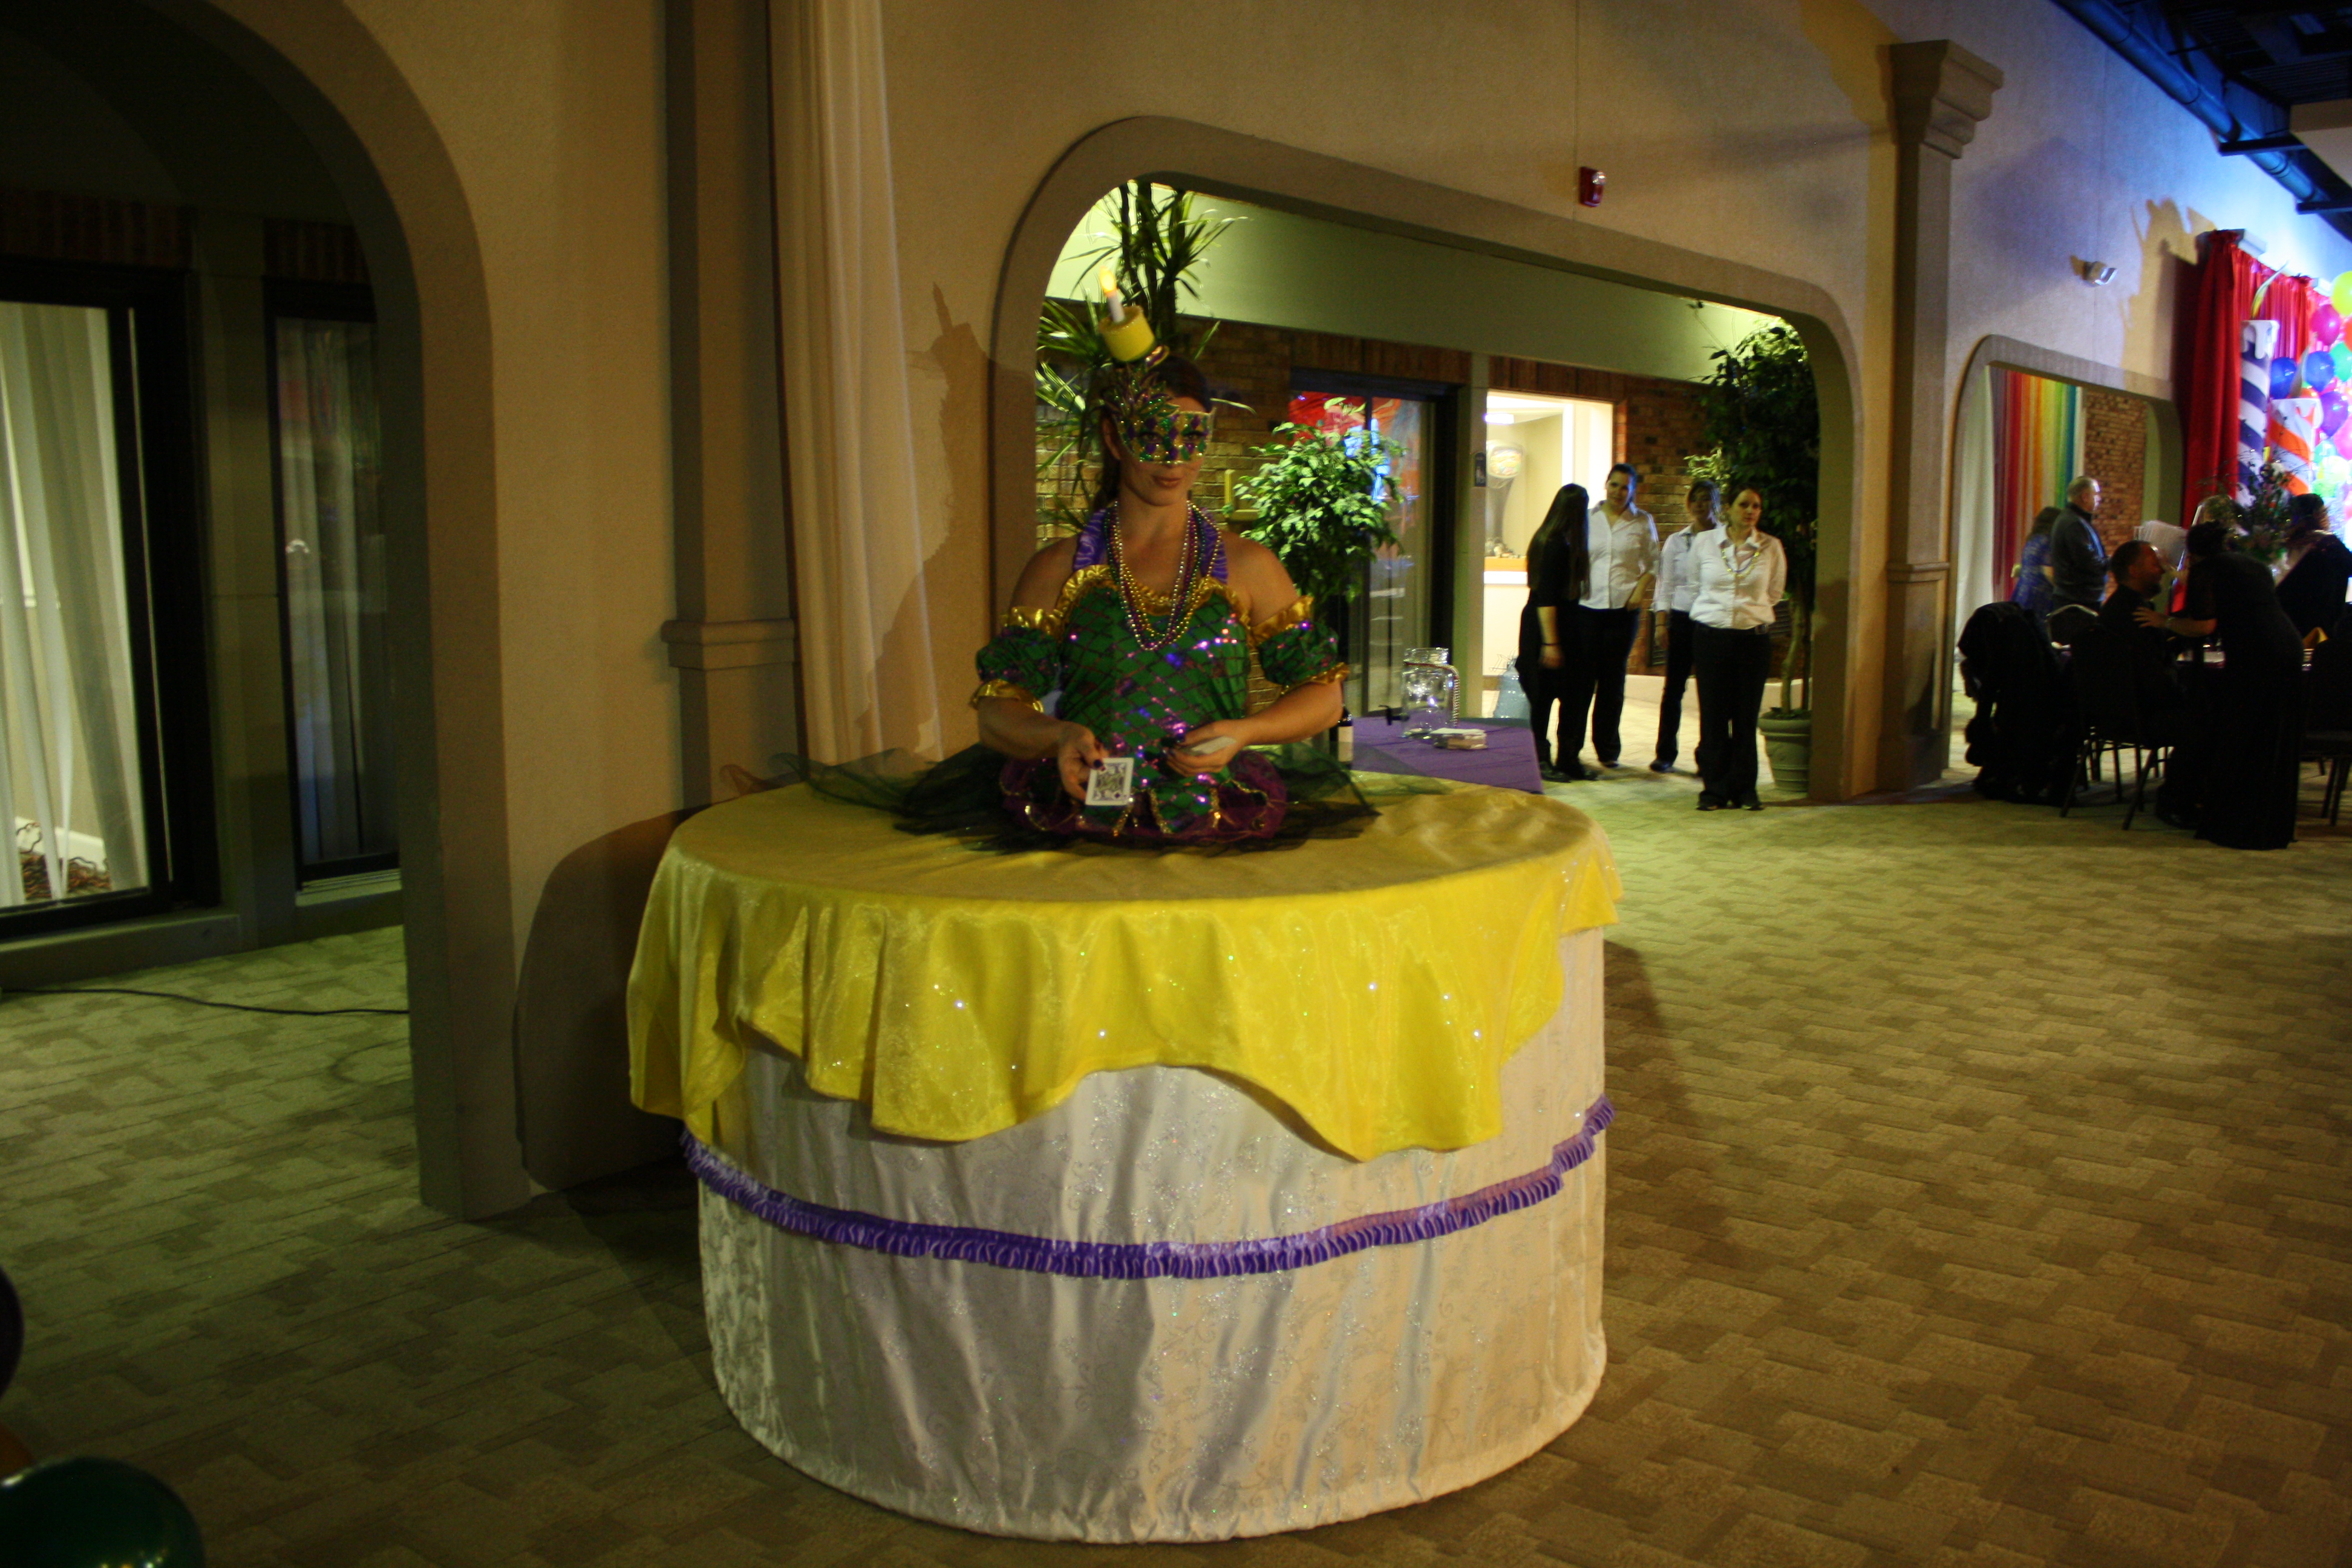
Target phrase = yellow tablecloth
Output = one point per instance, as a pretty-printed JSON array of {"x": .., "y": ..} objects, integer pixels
[{"x": 1373, "y": 985}]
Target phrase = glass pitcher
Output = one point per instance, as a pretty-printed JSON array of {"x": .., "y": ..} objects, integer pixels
[{"x": 1433, "y": 690}]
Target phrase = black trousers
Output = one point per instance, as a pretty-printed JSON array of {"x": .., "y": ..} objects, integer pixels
[
  {"x": 1596, "y": 644},
  {"x": 1731, "y": 669},
  {"x": 1678, "y": 674}
]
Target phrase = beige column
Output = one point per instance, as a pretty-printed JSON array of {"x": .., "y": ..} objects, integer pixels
[
  {"x": 734, "y": 642},
  {"x": 1940, "y": 91}
]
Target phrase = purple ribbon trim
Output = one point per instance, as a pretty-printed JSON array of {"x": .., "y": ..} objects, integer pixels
[{"x": 1146, "y": 1259}]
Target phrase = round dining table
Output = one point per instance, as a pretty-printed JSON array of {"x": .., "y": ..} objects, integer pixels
[{"x": 1111, "y": 1195}]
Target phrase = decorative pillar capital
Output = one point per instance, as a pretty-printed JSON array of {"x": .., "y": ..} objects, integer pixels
[{"x": 1941, "y": 90}]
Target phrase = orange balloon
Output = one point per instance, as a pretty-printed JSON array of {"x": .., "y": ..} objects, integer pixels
[{"x": 14, "y": 1456}]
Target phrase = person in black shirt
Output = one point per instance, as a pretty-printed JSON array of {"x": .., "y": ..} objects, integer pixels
[
  {"x": 2249, "y": 755},
  {"x": 2078, "y": 560},
  {"x": 2318, "y": 569},
  {"x": 1559, "y": 561},
  {"x": 2137, "y": 570}
]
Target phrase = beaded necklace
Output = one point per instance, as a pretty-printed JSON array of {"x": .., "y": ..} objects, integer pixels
[{"x": 1188, "y": 569}]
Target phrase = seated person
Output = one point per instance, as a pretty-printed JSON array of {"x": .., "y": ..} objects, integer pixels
[{"x": 2138, "y": 569}]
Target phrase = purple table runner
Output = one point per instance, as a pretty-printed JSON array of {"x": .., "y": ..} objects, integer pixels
[{"x": 1507, "y": 762}]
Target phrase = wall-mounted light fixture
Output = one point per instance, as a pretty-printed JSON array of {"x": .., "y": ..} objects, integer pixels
[
  {"x": 2097, "y": 274},
  {"x": 1500, "y": 416},
  {"x": 1590, "y": 184}
]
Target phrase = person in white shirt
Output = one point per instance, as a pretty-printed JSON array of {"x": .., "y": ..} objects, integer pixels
[
  {"x": 1620, "y": 552},
  {"x": 1672, "y": 599},
  {"x": 1738, "y": 573}
]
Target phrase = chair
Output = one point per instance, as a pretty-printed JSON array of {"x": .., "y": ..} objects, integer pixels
[
  {"x": 2106, "y": 698},
  {"x": 2328, "y": 714}
]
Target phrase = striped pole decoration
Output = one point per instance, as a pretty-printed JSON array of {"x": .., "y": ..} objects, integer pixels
[
  {"x": 2294, "y": 433},
  {"x": 2259, "y": 340}
]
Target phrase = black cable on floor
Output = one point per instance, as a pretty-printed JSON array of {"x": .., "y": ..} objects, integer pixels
[{"x": 197, "y": 1001}]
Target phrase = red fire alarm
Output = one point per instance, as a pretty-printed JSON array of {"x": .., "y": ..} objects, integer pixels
[{"x": 1590, "y": 184}]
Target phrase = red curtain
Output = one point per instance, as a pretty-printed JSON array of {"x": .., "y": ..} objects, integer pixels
[
  {"x": 2226, "y": 282},
  {"x": 2222, "y": 303}
]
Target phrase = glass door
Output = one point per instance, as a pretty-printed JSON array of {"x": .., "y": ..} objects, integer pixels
[
  {"x": 105, "y": 723},
  {"x": 78, "y": 789},
  {"x": 1396, "y": 602},
  {"x": 330, "y": 533}
]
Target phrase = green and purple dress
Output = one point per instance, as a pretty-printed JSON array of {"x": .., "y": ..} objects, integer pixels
[{"x": 1140, "y": 684}]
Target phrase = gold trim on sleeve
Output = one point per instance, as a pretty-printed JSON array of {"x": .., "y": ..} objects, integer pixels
[
  {"x": 1331, "y": 677},
  {"x": 989, "y": 689},
  {"x": 1300, "y": 609}
]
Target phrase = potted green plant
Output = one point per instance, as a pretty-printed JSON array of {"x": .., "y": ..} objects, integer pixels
[
  {"x": 1762, "y": 414},
  {"x": 1157, "y": 239},
  {"x": 1316, "y": 499}
]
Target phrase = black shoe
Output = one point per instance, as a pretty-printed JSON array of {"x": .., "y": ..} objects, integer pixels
[
  {"x": 1579, "y": 770},
  {"x": 1552, "y": 775},
  {"x": 1662, "y": 765},
  {"x": 1711, "y": 802},
  {"x": 1751, "y": 802},
  {"x": 1608, "y": 762}
]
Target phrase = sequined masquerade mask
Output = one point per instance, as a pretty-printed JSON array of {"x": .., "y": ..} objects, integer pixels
[{"x": 1150, "y": 426}]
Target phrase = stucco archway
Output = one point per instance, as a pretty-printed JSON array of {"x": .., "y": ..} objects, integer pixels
[
  {"x": 334, "y": 77},
  {"x": 1271, "y": 174}
]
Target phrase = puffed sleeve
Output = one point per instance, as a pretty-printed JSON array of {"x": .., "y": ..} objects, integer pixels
[
  {"x": 1296, "y": 649},
  {"x": 1022, "y": 660}
]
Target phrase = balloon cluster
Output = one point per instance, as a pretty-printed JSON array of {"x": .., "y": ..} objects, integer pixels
[{"x": 82, "y": 1514}]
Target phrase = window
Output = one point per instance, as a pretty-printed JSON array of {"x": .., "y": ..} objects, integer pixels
[
  {"x": 106, "y": 787},
  {"x": 331, "y": 554}
]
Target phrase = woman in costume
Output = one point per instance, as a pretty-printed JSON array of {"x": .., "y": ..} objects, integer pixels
[
  {"x": 1144, "y": 624},
  {"x": 1556, "y": 565}
]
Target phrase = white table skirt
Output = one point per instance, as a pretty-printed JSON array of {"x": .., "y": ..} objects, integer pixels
[{"x": 1020, "y": 1402}]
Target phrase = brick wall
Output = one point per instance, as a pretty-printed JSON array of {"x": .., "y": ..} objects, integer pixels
[{"x": 2114, "y": 453}]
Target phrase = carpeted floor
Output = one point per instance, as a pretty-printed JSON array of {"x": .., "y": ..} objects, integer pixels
[{"x": 1978, "y": 1196}]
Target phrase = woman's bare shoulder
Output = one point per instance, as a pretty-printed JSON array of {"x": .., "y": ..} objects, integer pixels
[
  {"x": 1040, "y": 587},
  {"x": 1259, "y": 573}
]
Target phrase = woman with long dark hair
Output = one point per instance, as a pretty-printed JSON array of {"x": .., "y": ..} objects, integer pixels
[{"x": 1557, "y": 565}]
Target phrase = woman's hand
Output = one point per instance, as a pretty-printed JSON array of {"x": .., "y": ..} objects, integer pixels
[
  {"x": 2149, "y": 615},
  {"x": 1079, "y": 754},
  {"x": 1190, "y": 759},
  {"x": 1552, "y": 657}
]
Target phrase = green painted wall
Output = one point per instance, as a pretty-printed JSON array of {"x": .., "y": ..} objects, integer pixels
[{"x": 1280, "y": 270}]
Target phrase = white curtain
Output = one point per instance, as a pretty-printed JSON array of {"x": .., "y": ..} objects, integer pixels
[
  {"x": 1972, "y": 505},
  {"x": 327, "y": 447},
  {"x": 857, "y": 536},
  {"x": 70, "y": 790}
]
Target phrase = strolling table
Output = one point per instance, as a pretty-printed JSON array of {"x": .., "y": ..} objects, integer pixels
[{"x": 1113, "y": 1195}]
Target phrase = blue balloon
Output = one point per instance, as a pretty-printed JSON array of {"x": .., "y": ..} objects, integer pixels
[
  {"x": 2284, "y": 372},
  {"x": 2319, "y": 370},
  {"x": 96, "y": 1513}
]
